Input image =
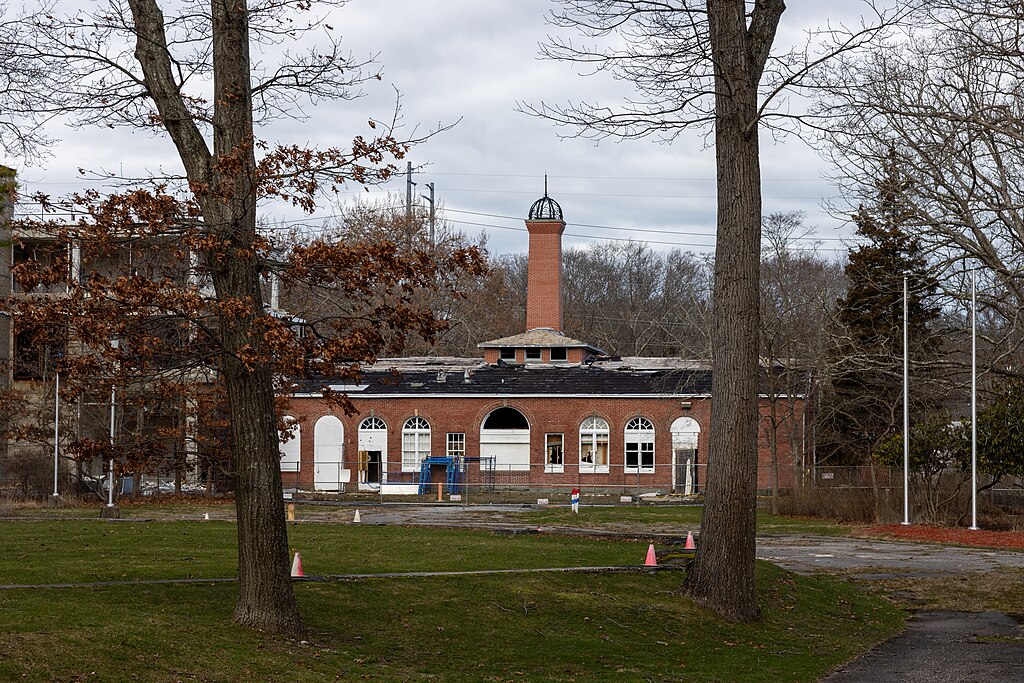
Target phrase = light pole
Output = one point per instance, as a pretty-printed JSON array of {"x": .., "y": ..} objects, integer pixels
[
  {"x": 55, "y": 500},
  {"x": 111, "y": 511},
  {"x": 906, "y": 410},
  {"x": 974, "y": 400},
  {"x": 110, "y": 472}
]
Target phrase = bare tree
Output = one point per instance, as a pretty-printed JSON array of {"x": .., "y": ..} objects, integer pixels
[
  {"x": 22, "y": 76},
  {"x": 189, "y": 75},
  {"x": 631, "y": 300},
  {"x": 708, "y": 65},
  {"x": 941, "y": 103},
  {"x": 799, "y": 289}
]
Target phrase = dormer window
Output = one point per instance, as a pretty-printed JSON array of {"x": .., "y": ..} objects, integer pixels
[
  {"x": 507, "y": 353},
  {"x": 559, "y": 355},
  {"x": 533, "y": 354}
]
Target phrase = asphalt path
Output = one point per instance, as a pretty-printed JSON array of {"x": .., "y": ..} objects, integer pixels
[
  {"x": 943, "y": 646},
  {"x": 876, "y": 559}
]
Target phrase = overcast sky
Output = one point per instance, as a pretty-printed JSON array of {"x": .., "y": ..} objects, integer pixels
[{"x": 473, "y": 59}]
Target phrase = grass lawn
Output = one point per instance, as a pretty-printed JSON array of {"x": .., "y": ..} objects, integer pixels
[
  {"x": 672, "y": 519},
  {"x": 529, "y": 627}
]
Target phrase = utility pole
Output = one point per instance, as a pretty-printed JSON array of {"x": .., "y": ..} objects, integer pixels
[
  {"x": 430, "y": 186},
  {"x": 409, "y": 184}
]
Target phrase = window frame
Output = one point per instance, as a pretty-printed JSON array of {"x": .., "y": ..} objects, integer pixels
[
  {"x": 639, "y": 439},
  {"x": 451, "y": 452},
  {"x": 507, "y": 353},
  {"x": 532, "y": 355},
  {"x": 591, "y": 435},
  {"x": 549, "y": 466},
  {"x": 562, "y": 351},
  {"x": 418, "y": 428}
]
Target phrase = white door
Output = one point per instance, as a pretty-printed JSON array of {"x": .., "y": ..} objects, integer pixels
[{"x": 328, "y": 453}]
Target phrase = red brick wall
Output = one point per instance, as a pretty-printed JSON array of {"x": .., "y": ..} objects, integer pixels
[
  {"x": 544, "y": 275},
  {"x": 545, "y": 415}
]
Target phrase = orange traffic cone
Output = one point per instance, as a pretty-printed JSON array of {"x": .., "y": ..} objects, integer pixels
[
  {"x": 652, "y": 559},
  {"x": 690, "y": 545},
  {"x": 297, "y": 566}
]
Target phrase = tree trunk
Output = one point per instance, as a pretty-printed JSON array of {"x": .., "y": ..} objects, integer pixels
[
  {"x": 722, "y": 574},
  {"x": 265, "y": 597},
  {"x": 224, "y": 184}
]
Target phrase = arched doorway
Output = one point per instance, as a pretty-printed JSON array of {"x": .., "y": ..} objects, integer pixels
[
  {"x": 328, "y": 454},
  {"x": 505, "y": 441},
  {"x": 373, "y": 452},
  {"x": 685, "y": 433}
]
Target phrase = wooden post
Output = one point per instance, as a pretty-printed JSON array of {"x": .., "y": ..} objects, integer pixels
[
  {"x": 291, "y": 512},
  {"x": 440, "y": 497}
]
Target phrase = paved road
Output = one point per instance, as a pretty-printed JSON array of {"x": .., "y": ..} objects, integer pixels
[
  {"x": 944, "y": 646},
  {"x": 870, "y": 558}
]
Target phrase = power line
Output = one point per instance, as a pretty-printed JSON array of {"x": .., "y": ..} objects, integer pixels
[{"x": 647, "y": 230}]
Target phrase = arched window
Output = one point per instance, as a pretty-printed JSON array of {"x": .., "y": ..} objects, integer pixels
[
  {"x": 415, "y": 443},
  {"x": 639, "y": 445},
  {"x": 594, "y": 445},
  {"x": 506, "y": 418},
  {"x": 372, "y": 423},
  {"x": 291, "y": 449}
]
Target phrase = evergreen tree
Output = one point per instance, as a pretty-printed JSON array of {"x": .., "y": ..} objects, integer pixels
[{"x": 865, "y": 398}]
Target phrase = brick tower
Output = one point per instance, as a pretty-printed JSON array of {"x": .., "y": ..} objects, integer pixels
[{"x": 544, "y": 269}]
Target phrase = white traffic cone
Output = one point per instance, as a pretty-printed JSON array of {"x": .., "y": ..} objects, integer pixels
[{"x": 356, "y": 519}]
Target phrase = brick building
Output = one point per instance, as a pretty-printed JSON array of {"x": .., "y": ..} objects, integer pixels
[{"x": 539, "y": 409}]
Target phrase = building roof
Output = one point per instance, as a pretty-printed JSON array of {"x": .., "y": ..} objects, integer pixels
[
  {"x": 539, "y": 336},
  {"x": 460, "y": 376}
]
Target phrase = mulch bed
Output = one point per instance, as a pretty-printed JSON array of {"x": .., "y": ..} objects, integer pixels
[{"x": 947, "y": 535}]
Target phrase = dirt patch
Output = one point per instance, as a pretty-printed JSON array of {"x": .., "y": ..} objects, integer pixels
[{"x": 946, "y": 535}]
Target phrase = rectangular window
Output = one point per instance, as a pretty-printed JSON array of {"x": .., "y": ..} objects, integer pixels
[
  {"x": 415, "y": 447},
  {"x": 559, "y": 355},
  {"x": 507, "y": 353},
  {"x": 642, "y": 453},
  {"x": 456, "y": 447},
  {"x": 594, "y": 453},
  {"x": 532, "y": 354},
  {"x": 554, "y": 454}
]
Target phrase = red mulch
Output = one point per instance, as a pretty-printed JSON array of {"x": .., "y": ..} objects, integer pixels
[{"x": 948, "y": 535}]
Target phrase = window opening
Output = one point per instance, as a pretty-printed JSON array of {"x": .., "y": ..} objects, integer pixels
[{"x": 554, "y": 455}]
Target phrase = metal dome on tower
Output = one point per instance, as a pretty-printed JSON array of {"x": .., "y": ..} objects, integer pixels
[{"x": 545, "y": 208}]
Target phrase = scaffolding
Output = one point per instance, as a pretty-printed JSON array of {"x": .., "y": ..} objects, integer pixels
[{"x": 455, "y": 471}]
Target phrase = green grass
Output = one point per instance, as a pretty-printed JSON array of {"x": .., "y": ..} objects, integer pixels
[
  {"x": 669, "y": 518},
  {"x": 84, "y": 551},
  {"x": 551, "y": 628}
]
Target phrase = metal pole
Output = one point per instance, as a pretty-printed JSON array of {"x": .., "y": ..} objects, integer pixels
[
  {"x": 974, "y": 400},
  {"x": 431, "y": 187},
  {"x": 906, "y": 410},
  {"x": 56, "y": 432},
  {"x": 110, "y": 474}
]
